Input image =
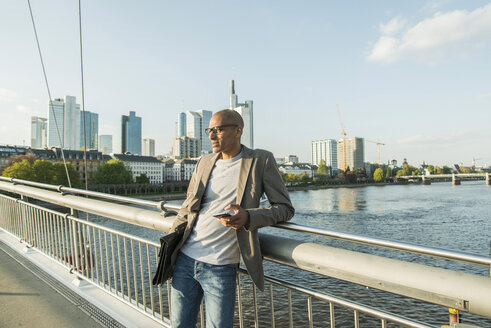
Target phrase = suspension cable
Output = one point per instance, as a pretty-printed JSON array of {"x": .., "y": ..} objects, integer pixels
[
  {"x": 49, "y": 95},
  {"x": 83, "y": 93}
]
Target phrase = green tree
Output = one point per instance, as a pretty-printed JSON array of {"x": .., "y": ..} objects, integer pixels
[
  {"x": 322, "y": 168},
  {"x": 43, "y": 171},
  {"x": 446, "y": 170},
  {"x": 431, "y": 169},
  {"x": 20, "y": 170},
  {"x": 112, "y": 172},
  {"x": 142, "y": 178},
  {"x": 378, "y": 175},
  {"x": 304, "y": 178},
  {"x": 59, "y": 175},
  {"x": 417, "y": 172},
  {"x": 351, "y": 177}
]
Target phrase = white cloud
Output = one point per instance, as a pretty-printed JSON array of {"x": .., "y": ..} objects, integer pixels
[
  {"x": 23, "y": 109},
  {"x": 393, "y": 26},
  {"x": 7, "y": 95},
  {"x": 420, "y": 139},
  {"x": 434, "y": 38}
]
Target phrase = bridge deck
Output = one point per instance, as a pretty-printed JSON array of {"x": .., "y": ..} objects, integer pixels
[{"x": 32, "y": 297}]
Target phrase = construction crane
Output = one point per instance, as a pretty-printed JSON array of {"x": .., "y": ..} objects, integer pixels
[
  {"x": 343, "y": 133},
  {"x": 474, "y": 162},
  {"x": 378, "y": 148}
]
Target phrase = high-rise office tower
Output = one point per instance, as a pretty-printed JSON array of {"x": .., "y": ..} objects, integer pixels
[
  {"x": 91, "y": 130},
  {"x": 105, "y": 144},
  {"x": 72, "y": 124},
  {"x": 148, "y": 147},
  {"x": 205, "y": 122},
  {"x": 355, "y": 153},
  {"x": 38, "y": 132},
  {"x": 131, "y": 134},
  {"x": 246, "y": 111},
  {"x": 186, "y": 147},
  {"x": 64, "y": 123},
  {"x": 181, "y": 125},
  {"x": 326, "y": 150},
  {"x": 196, "y": 123},
  {"x": 56, "y": 123}
]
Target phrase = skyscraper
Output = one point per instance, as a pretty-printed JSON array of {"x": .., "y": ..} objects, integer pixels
[
  {"x": 105, "y": 144},
  {"x": 72, "y": 124},
  {"x": 91, "y": 130},
  {"x": 181, "y": 125},
  {"x": 355, "y": 153},
  {"x": 247, "y": 113},
  {"x": 196, "y": 123},
  {"x": 38, "y": 132},
  {"x": 131, "y": 133},
  {"x": 64, "y": 117},
  {"x": 185, "y": 147},
  {"x": 325, "y": 150},
  {"x": 205, "y": 122},
  {"x": 148, "y": 147}
]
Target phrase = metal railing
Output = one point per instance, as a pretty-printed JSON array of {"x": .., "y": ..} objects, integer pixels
[{"x": 122, "y": 264}]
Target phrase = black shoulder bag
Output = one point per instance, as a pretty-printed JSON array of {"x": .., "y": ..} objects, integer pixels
[{"x": 168, "y": 245}]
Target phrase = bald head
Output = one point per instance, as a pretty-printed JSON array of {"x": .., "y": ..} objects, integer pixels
[{"x": 230, "y": 116}]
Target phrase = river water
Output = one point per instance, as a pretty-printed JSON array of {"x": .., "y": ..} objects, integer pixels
[{"x": 441, "y": 215}]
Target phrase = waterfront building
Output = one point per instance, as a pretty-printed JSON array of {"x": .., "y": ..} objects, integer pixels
[
  {"x": 6, "y": 152},
  {"x": 246, "y": 111},
  {"x": 39, "y": 133},
  {"x": 355, "y": 153},
  {"x": 152, "y": 167},
  {"x": 168, "y": 169},
  {"x": 131, "y": 133},
  {"x": 91, "y": 130},
  {"x": 148, "y": 147},
  {"x": 105, "y": 144},
  {"x": 291, "y": 159},
  {"x": 325, "y": 150},
  {"x": 183, "y": 169},
  {"x": 93, "y": 158},
  {"x": 298, "y": 169},
  {"x": 186, "y": 147}
]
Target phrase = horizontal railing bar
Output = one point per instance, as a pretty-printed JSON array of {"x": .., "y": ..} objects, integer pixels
[
  {"x": 148, "y": 203},
  {"x": 91, "y": 224},
  {"x": 387, "y": 243},
  {"x": 380, "y": 242},
  {"x": 346, "y": 303}
]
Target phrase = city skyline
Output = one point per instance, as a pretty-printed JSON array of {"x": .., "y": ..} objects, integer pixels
[{"x": 400, "y": 72}]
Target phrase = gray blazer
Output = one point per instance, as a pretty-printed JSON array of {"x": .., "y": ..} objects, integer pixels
[{"x": 258, "y": 174}]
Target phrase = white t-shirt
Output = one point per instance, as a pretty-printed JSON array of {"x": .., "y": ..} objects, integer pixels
[{"x": 210, "y": 241}]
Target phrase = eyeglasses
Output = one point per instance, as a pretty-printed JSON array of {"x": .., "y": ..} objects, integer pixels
[{"x": 219, "y": 129}]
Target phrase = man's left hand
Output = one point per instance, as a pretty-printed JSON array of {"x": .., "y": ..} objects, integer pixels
[{"x": 236, "y": 221}]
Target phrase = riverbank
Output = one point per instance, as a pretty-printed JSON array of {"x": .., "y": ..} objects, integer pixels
[
  {"x": 328, "y": 186},
  {"x": 182, "y": 196}
]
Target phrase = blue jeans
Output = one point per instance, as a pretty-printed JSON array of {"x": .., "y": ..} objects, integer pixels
[{"x": 192, "y": 279}]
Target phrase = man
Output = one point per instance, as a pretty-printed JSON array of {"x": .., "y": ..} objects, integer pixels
[{"x": 233, "y": 178}]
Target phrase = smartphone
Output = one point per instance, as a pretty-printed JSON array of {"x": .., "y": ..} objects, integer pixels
[{"x": 222, "y": 215}]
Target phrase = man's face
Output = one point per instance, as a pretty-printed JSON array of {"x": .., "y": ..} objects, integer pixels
[{"x": 227, "y": 138}]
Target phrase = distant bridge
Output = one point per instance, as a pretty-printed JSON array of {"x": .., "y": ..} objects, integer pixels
[{"x": 455, "y": 178}]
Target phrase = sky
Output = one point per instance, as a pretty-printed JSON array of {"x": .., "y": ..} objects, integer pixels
[{"x": 414, "y": 75}]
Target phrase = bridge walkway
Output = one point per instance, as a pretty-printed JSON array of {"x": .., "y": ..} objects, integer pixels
[{"x": 33, "y": 297}]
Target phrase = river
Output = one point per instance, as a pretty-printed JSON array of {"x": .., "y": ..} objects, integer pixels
[{"x": 441, "y": 215}]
